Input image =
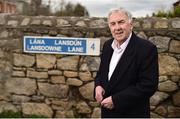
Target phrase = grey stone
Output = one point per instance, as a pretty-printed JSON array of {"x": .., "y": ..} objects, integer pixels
[
  {"x": 39, "y": 69},
  {"x": 18, "y": 99},
  {"x": 53, "y": 33},
  {"x": 161, "y": 110},
  {"x": 57, "y": 91},
  {"x": 36, "y": 74},
  {"x": 21, "y": 86},
  {"x": 160, "y": 42},
  {"x": 74, "y": 82},
  {"x": 147, "y": 24},
  {"x": 94, "y": 104},
  {"x": 2, "y": 19},
  {"x": 5, "y": 106},
  {"x": 60, "y": 114},
  {"x": 142, "y": 35},
  {"x": 158, "y": 97},
  {"x": 65, "y": 105},
  {"x": 36, "y": 22},
  {"x": 167, "y": 86},
  {"x": 83, "y": 108},
  {"x": 4, "y": 95},
  {"x": 68, "y": 63},
  {"x": 70, "y": 114},
  {"x": 85, "y": 76},
  {"x": 58, "y": 108},
  {"x": 2, "y": 54},
  {"x": 175, "y": 78},
  {"x": 15, "y": 44},
  {"x": 70, "y": 74},
  {"x": 174, "y": 46},
  {"x": 90, "y": 64},
  {"x": 62, "y": 22},
  {"x": 18, "y": 73},
  {"x": 58, "y": 79},
  {"x": 93, "y": 63},
  {"x": 54, "y": 72},
  {"x": 173, "y": 112},
  {"x": 84, "y": 67},
  {"x": 168, "y": 65},
  {"x": 4, "y": 43},
  {"x": 176, "y": 24},
  {"x": 37, "y": 109},
  {"x": 47, "y": 101},
  {"x": 25, "y": 22},
  {"x": 163, "y": 78},
  {"x": 45, "y": 61},
  {"x": 4, "y": 34},
  {"x": 176, "y": 98},
  {"x": 81, "y": 24},
  {"x": 47, "y": 23},
  {"x": 37, "y": 98},
  {"x": 94, "y": 74},
  {"x": 96, "y": 113},
  {"x": 100, "y": 23},
  {"x": 19, "y": 68},
  {"x": 154, "y": 115},
  {"x": 152, "y": 107},
  {"x": 23, "y": 60},
  {"x": 136, "y": 24},
  {"x": 12, "y": 23},
  {"x": 161, "y": 24},
  {"x": 5, "y": 66},
  {"x": 87, "y": 91}
]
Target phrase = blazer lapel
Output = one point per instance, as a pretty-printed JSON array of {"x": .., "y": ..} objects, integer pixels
[
  {"x": 123, "y": 63},
  {"x": 107, "y": 57}
]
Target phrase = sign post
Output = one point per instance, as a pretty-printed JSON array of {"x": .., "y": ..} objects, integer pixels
[{"x": 62, "y": 45}]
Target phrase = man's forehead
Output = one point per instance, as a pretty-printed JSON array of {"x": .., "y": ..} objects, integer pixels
[
  {"x": 118, "y": 16},
  {"x": 117, "y": 13}
]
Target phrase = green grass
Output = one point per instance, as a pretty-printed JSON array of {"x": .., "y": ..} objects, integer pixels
[
  {"x": 11, "y": 114},
  {"x": 35, "y": 116}
]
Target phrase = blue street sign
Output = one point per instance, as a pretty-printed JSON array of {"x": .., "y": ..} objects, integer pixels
[{"x": 62, "y": 45}]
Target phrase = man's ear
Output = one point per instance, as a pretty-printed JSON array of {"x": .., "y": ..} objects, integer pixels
[{"x": 132, "y": 25}]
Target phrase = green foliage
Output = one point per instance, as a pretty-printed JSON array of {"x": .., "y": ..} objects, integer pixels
[
  {"x": 72, "y": 10},
  {"x": 168, "y": 14},
  {"x": 161, "y": 14},
  {"x": 11, "y": 114},
  {"x": 177, "y": 11},
  {"x": 80, "y": 10}
]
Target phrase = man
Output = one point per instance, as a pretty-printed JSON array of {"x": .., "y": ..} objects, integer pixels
[{"x": 128, "y": 72}]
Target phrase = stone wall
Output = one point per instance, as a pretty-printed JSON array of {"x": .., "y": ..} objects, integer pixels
[{"x": 62, "y": 85}]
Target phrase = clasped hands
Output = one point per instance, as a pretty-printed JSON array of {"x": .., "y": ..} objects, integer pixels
[{"x": 107, "y": 102}]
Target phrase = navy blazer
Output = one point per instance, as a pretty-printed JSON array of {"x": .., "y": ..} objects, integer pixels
[{"x": 134, "y": 80}]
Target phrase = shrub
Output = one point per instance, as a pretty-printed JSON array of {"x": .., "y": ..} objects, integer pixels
[{"x": 168, "y": 14}]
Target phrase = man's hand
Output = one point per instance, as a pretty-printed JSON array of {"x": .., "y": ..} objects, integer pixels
[
  {"x": 99, "y": 93},
  {"x": 107, "y": 103}
]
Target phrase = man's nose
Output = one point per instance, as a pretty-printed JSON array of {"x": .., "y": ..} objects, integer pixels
[{"x": 117, "y": 27}]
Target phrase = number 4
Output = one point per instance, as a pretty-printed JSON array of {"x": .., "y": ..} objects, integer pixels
[{"x": 93, "y": 46}]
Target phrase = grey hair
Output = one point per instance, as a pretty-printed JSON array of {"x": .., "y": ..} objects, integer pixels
[{"x": 127, "y": 13}]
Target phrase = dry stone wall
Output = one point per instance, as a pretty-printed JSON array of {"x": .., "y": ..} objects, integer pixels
[{"x": 62, "y": 85}]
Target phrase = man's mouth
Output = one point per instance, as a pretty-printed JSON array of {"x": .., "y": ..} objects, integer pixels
[{"x": 119, "y": 33}]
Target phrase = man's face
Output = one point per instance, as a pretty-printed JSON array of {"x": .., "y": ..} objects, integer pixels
[{"x": 120, "y": 26}]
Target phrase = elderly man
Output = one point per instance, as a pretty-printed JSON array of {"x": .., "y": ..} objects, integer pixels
[{"x": 128, "y": 72}]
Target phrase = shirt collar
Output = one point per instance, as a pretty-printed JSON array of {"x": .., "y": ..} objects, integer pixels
[{"x": 118, "y": 48}]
